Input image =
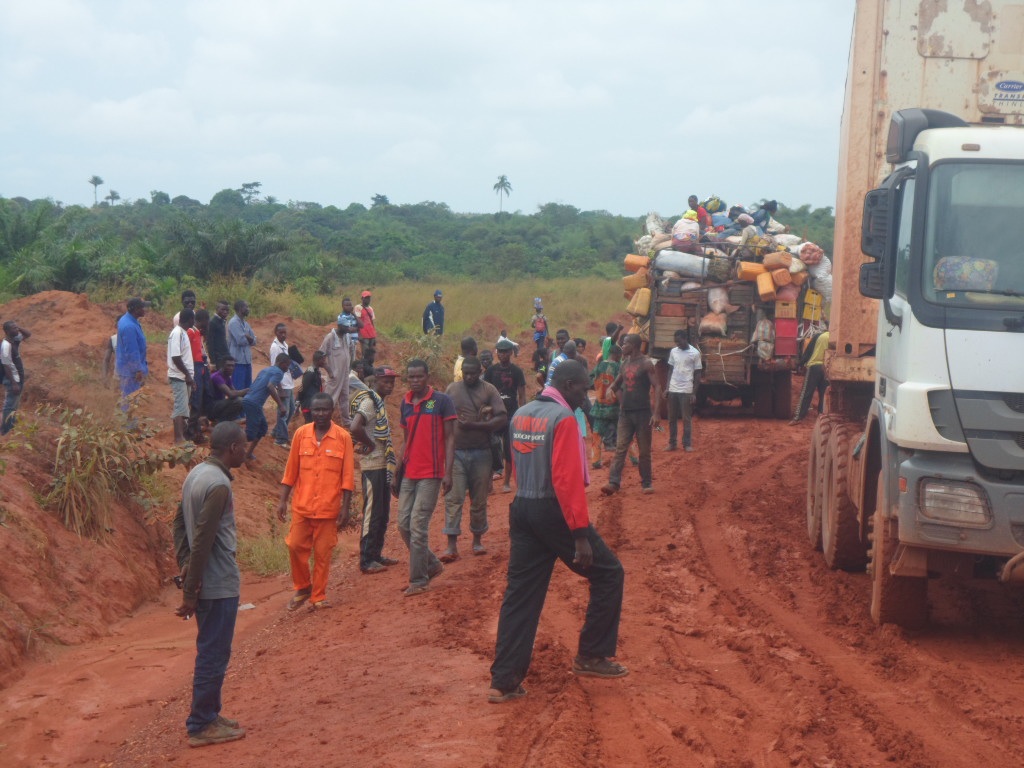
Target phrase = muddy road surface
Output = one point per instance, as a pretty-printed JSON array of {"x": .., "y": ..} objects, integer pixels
[{"x": 744, "y": 650}]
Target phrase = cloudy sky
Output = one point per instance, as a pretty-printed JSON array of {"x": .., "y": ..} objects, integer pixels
[{"x": 620, "y": 106}]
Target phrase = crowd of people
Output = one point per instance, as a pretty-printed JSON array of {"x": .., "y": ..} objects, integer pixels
[{"x": 480, "y": 432}]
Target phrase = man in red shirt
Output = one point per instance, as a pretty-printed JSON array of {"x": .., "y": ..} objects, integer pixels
[
  {"x": 368, "y": 330},
  {"x": 201, "y": 376},
  {"x": 424, "y": 469},
  {"x": 549, "y": 520},
  {"x": 320, "y": 471},
  {"x": 703, "y": 217}
]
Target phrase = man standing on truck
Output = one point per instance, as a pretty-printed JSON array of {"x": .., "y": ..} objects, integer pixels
[
  {"x": 814, "y": 358},
  {"x": 682, "y": 389},
  {"x": 637, "y": 415}
]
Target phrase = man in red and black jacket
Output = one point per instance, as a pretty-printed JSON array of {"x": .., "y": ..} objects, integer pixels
[{"x": 548, "y": 519}]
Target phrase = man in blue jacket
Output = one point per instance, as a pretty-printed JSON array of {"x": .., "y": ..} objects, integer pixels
[
  {"x": 132, "y": 368},
  {"x": 433, "y": 316}
]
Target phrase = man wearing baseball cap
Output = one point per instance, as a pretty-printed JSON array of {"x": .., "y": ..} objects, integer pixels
[
  {"x": 371, "y": 433},
  {"x": 368, "y": 329},
  {"x": 433, "y": 316}
]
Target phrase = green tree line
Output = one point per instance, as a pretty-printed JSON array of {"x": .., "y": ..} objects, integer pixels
[{"x": 154, "y": 245}]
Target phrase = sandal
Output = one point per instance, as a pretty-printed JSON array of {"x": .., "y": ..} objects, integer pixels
[
  {"x": 320, "y": 606},
  {"x": 449, "y": 557},
  {"x": 500, "y": 697},
  {"x": 298, "y": 600}
]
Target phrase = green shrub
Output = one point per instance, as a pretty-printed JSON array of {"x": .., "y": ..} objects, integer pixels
[{"x": 96, "y": 461}]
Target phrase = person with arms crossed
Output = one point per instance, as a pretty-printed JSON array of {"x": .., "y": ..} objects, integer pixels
[
  {"x": 549, "y": 520},
  {"x": 241, "y": 340},
  {"x": 320, "y": 473},
  {"x": 217, "y": 335},
  {"x": 205, "y": 541}
]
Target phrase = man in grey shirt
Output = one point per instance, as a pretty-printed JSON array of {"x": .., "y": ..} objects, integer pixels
[
  {"x": 240, "y": 343},
  {"x": 204, "y": 542}
]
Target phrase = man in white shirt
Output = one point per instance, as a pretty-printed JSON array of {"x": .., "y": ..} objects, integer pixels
[
  {"x": 286, "y": 388},
  {"x": 13, "y": 372},
  {"x": 684, "y": 360},
  {"x": 180, "y": 371}
]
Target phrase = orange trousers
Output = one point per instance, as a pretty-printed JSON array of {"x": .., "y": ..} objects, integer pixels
[{"x": 309, "y": 535}]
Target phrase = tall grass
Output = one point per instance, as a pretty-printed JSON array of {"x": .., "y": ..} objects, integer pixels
[{"x": 569, "y": 303}]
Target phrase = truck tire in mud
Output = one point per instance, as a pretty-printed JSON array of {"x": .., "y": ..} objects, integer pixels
[
  {"x": 840, "y": 529},
  {"x": 815, "y": 478},
  {"x": 900, "y": 600},
  {"x": 761, "y": 383}
]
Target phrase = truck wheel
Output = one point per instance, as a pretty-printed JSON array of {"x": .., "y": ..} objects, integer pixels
[
  {"x": 900, "y": 600},
  {"x": 840, "y": 530},
  {"x": 815, "y": 478},
  {"x": 782, "y": 394},
  {"x": 762, "y": 384}
]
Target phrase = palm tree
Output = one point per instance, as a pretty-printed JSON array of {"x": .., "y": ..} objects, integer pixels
[
  {"x": 96, "y": 181},
  {"x": 503, "y": 187},
  {"x": 113, "y": 196}
]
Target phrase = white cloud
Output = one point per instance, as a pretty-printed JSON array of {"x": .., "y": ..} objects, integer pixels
[{"x": 602, "y": 105}]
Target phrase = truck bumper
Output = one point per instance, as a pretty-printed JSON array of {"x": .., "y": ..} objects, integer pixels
[{"x": 994, "y": 527}]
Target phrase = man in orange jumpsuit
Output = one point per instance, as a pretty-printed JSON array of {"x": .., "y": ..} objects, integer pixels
[{"x": 320, "y": 472}]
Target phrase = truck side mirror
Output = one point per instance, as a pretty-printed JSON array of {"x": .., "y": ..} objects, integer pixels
[
  {"x": 872, "y": 280},
  {"x": 876, "y": 229}
]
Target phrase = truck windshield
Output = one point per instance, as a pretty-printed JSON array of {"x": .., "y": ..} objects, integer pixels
[{"x": 974, "y": 239}]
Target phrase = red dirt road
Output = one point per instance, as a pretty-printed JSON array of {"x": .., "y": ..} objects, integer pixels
[{"x": 744, "y": 650}]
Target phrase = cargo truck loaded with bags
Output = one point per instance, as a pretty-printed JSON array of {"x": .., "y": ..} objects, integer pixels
[
  {"x": 918, "y": 468},
  {"x": 745, "y": 300}
]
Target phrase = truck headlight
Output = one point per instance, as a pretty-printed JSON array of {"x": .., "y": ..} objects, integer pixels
[{"x": 953, "y": 502}]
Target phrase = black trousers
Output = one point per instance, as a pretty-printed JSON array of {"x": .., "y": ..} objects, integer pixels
[
  {"x": 539, "y": 535},
  {"x": 814, "y": 381},
  {"x": 376, "y": 511}
]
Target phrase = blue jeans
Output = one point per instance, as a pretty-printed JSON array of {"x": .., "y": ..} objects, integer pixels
[
  {"x": 216, "y": 622},
  {"x": 11, "y": 401},
  {"x": 242, "y": 377},
  {"x": 281, "y": 427},
  {"x": 470, "y": 472},
  {"x": 416, "y": 502}
]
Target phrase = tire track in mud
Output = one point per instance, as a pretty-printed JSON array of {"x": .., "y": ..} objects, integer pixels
[{"x": 872, "y": 692}]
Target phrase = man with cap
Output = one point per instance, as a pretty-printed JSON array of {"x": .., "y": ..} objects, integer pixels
[
  {"x": 539, "y": 324},
  {"x": 368, "y": 329},
  {"x": 510, "y": 381},
  {"x": 130, "y": 357},
  {"x": 371, "y": 433},
  {"x": 433, "y": 316},
  {"x": 337, "y": 364}
]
